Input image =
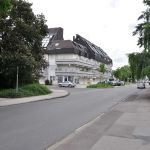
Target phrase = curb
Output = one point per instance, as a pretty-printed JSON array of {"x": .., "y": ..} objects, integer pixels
[
  {"x": 68, "y": 93},
  {"x": 36, "y": 100}
]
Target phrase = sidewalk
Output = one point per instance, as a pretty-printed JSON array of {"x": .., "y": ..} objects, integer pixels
[
  {"x": 77, "y": 86},
  {"x": 81, "y": 86},
  {"x": 125, "y": 127},
  {"x": 13, "y": 101}
]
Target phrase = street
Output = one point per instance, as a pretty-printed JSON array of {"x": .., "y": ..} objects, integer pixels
[{"x": 37, "y": 125}]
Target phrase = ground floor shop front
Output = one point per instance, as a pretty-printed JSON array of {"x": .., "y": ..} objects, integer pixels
[{"x": 85, "y": 80}]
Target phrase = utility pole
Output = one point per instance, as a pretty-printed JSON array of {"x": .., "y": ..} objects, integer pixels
[{"x": 17, "y": 80}]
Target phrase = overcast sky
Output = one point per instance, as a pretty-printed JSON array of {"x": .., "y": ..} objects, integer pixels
[{"x": 107, "y": 23}]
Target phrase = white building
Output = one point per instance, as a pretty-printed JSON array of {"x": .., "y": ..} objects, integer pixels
[{"x": 77, "y": 61}]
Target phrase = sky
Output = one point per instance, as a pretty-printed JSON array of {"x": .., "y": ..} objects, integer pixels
[{"x": 107, "y": 23}]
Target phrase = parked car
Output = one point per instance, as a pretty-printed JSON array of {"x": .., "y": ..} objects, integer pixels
[
  {"x": 148, "y": 82},
  {"x": 140, "y": 85},
  {"x": 66, "y": 84},
  {"x": 113, "y": 82},
  {"x": 120, "y": 83}
]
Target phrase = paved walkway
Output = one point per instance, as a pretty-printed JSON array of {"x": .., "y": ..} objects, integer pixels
[
  {"x": 125, "y": 127},
  {"x": 77, "y": 86},
  {"x": 13, "y": 101}
]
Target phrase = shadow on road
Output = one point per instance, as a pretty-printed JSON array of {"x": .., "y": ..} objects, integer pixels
[{"x": 145, "y": 96}]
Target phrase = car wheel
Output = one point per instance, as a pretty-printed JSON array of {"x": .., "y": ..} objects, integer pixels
[{"x": 69, "y": 85}]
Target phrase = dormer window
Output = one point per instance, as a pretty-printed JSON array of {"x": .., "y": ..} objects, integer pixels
[{"x": 46, "y": 40}]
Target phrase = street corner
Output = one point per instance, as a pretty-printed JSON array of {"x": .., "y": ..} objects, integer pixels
[{"x": 14, "y": 101}]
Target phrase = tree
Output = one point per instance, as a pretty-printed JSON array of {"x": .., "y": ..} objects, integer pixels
[
  {"x": 140, "y": 61},
  {"x": 123, "y": 73},
  {"x": 131, "y": 60},
  {"x": 116, "y": 73},
  {"x": 137, "y": 62},
  {"x": 146, "y": 72},
  {"x": 146, "y": 2},
  {"x": 143, "y": 29},
  {"x": 5, "y": 5},
  {"x": 102, "y": 69},
  {"x": 21, "y": 44}
]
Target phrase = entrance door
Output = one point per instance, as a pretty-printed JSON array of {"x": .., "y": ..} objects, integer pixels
[{"x": 66, "y": 78}]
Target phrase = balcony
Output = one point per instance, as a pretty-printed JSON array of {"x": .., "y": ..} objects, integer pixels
[
  {"x": 88, "y": 64},
  {"x": 76, "y": 72}
]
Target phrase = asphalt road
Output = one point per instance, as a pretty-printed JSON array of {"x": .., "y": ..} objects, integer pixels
[{"x": 37, "y": 125}]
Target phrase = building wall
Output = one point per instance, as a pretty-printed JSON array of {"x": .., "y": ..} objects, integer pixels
[{"x": 73, "y": 67}]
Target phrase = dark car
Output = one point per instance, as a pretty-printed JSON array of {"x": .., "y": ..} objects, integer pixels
[{"x": 120, "y": 83}]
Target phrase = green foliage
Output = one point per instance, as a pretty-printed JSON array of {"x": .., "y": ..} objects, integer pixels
[
  {"x": 131, "y": 60},
  {"x": 5, "y": 5},
  {"x": 146, "y": 72},
  {"x": 146, "y": 2},
  {"x": 25, "y": 91},
  {"x": 138, "y": 61},
  {"x": 143, "y": 29},
  {"x": 102, "y": 85},
  {"x": 102, "y": 68},
  {"x": 21, "y": 44},
  {"x": 123, "y": 73}
]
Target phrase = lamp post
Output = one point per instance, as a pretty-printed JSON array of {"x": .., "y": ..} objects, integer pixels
[{"x": 17, "y": 80}]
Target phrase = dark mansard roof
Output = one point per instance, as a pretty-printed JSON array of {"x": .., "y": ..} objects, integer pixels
[
  {"x": 55, "y": 44},
  {"x": 53, "y": 35},
  {"x": 94, "y": 51}
]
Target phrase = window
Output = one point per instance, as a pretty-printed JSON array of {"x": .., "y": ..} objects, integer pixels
[
  {"x": 46, "y": 40},
  {"x": 66, "y": 79},
  {"x": 60, "y": 79},
  {"x": 70, "y": 78}
]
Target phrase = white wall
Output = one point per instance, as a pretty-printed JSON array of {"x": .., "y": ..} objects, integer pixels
[
  {"x": 51, "y": 59},
  {"x": 52, "y": 65}
]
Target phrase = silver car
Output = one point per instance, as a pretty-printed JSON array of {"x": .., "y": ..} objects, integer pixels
[
  {"x": 66, "y": 84},
  {"x": 140, "y": 85}
]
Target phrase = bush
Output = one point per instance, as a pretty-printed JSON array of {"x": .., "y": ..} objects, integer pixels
[
  {"x": 9, "y": 93},
  {"x": 25, "y": 91},
  {"x": 102, "y": 85}
]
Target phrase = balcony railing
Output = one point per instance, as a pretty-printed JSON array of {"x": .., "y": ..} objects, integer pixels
[
  {"x": 76, "y": 71},
  {"x": 78, "y": 62}
]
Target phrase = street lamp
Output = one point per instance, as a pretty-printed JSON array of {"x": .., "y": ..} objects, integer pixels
[{"x": 17, "y": 80}]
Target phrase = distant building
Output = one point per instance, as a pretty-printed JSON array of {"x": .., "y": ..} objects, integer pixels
[{"x": 76, "y": 61}]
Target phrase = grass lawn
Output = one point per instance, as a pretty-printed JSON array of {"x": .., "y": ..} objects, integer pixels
[
  {"x": 102, "y": 85},
  {"x": 25, "y": 91}
]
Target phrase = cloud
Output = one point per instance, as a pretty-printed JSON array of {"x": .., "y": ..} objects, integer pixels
[
  {"x": 107, "y": 23},
  {"x": 113, "y": 3}
]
